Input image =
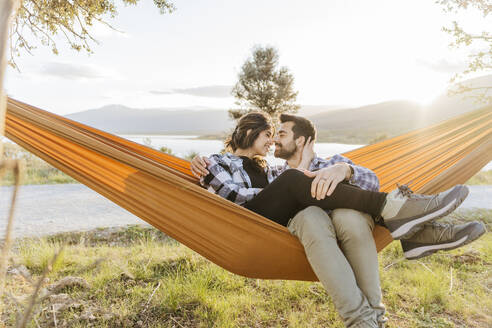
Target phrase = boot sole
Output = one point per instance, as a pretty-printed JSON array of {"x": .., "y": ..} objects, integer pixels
[
  {"x": 406, "y": 228},
  {"x": 424, "y": 251}
]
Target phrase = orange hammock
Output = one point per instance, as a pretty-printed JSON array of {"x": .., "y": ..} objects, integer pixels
[{"x": 160, "y": 188}]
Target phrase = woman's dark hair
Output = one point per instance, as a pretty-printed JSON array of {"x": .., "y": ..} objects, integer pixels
[{"x": 255, "y": 122}]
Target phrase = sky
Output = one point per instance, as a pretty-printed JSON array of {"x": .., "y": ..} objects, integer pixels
[{"x": 344, "y": 53}]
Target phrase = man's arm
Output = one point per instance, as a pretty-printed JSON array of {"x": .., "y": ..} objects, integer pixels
[
  {"x": 361, "y": 177},
  {"x": 329, "y": 173},
  {"x": 307, "y": 155}
]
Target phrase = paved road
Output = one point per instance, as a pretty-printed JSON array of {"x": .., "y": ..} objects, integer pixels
[{"x": 46, "y": 209}]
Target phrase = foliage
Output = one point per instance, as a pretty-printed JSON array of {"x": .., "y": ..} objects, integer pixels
[
  {"x": 72, "y": 20},
  {"x": 147, "y": 141},
  {"x": 189, "y": 156},
  {"x": 378, "y": 138},
  {"x": 262, "y": 86},
  {"x": 166, "y": 150},
  {"x": 480, "y": 46}
]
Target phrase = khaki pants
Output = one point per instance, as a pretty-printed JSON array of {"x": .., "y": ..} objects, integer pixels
[{"x": 349, "y": 271}]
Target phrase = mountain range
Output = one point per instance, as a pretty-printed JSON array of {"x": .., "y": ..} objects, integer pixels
[{"x": 350, "y": 125}]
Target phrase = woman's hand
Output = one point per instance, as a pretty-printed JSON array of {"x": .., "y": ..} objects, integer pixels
[
  {"x": 307, "y": 154},
  {"x": 199, "y": 166}
]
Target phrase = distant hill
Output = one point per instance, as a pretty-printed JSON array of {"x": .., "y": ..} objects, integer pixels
[
  {"x": 347, "y": 125},
  {"x": 124, "y": 120},
  {"x": 191, "y": 120},
  {"x": 310, "y": 110},
  {"x": 362, "y": 124},
  {"x": 388, "y": 119}
]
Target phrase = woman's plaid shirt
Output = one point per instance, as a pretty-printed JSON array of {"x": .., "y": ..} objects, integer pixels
[{"x": 228, "y": 178}]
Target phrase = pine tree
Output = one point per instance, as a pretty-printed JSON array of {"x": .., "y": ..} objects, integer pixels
[{"x": 262, "y": 86}]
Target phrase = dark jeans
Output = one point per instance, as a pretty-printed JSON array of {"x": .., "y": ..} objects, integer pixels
[{"x": 291, "y": 193}]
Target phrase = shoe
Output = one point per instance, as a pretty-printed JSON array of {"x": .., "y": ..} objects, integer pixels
[
  {"x": 438, "y": 236},
  {"x": 404, "y": 210}
]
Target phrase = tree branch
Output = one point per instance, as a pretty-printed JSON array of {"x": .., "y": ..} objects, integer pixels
[{"x": 69, "y": 19}]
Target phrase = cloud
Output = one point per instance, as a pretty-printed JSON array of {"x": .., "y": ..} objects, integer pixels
[
  {"x": 213, "y": 91},
  {"x": 442, "y": 66},
  {"x": 154, "y": 92},
  {"x": 71, "y": 71}
]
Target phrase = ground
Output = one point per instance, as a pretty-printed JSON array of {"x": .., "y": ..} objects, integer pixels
[{"x": 138, "y": 277}]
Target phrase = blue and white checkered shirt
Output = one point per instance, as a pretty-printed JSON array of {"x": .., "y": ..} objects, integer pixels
[{"x": 228, "y": 178}]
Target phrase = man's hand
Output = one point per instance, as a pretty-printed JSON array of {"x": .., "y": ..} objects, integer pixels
[
  {"x": 326, "y": 180},
  {"x": 307, "y": 155},
  {"x": 199, "y": 166}
]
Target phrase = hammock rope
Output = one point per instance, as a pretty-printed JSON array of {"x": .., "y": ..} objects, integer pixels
[{"x": 160, "y": 189}]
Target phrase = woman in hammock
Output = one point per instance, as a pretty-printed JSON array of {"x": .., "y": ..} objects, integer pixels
[{"x": 244, "y": 177}]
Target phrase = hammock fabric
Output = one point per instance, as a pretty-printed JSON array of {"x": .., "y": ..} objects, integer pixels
[{"x": 160, "y": 188}]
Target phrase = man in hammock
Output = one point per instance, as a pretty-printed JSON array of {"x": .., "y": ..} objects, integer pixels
[{"x": 339, "y": 245}]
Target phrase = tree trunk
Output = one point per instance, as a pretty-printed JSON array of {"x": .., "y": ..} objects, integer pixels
[{"x": 6, "y": 9}]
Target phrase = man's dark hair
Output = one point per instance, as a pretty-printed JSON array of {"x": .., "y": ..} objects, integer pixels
[{"x": 302, "y": 126}]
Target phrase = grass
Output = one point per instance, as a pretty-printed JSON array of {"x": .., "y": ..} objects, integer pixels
[
  {"x": 145, "y": 279},
  {"x": 481, "y": 178},
  {"x": 36, "y": 170}
]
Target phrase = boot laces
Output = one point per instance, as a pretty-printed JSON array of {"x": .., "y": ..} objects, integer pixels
[
  {"x": 443, "y": 227},
  {"x": 405, "y": 191}
]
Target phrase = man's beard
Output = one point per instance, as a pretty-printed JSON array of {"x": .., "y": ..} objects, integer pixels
[{"x": 285, "y": 152}]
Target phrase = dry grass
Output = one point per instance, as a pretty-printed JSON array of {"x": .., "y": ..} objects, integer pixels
[{"x": 481, "y": 178}]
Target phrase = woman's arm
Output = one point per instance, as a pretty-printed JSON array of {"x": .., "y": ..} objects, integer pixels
[
  {"x": 199, "y": 166},
  {"x": 226, "y": 183}
]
